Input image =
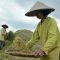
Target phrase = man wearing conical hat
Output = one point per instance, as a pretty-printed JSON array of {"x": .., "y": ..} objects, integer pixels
[
  {"x": 46, "y": 32},
  {"x": 2, "y": 35}
]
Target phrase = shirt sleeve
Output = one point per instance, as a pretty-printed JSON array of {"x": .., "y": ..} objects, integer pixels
[{"x": 34, "y": 39}]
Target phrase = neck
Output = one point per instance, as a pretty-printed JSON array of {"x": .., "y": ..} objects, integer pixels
[{"x": 43, "y": 19}]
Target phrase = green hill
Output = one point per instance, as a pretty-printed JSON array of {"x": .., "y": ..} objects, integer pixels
[{"x": 24, "y": 34}]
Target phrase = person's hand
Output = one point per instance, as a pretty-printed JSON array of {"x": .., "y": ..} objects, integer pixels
[{"x": 39, "y": 53}]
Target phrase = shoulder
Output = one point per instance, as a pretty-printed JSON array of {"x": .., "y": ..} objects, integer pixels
[{"x": 51, "y": 20}]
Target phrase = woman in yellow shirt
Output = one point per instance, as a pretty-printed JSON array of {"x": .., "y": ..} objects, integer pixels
[{"x": 46, "y": 33}]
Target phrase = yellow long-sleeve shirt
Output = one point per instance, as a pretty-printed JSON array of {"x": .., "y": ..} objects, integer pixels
[{"x": 47, "y": 34}]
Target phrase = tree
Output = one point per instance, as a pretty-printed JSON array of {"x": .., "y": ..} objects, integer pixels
[{"x": 10, "y": 35}]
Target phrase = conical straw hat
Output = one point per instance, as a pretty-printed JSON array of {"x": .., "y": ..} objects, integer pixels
[{"x": 39, "y": 7}]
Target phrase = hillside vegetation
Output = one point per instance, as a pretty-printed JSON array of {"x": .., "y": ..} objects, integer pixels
[{"x": 21, "y": 37}]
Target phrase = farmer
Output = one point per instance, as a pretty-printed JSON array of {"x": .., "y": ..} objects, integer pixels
[
  {"x": 46, "y": 33},
  {"x": 2, "y": 35}
]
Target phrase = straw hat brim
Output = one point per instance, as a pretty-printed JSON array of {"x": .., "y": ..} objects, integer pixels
[
  {"x": 5, "y": 26},
  {"x": 33, "y": 13}
]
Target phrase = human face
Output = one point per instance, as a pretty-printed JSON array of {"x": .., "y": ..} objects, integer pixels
[{"x": 39, "y": 16}]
